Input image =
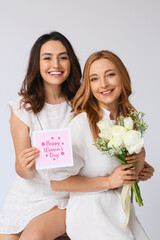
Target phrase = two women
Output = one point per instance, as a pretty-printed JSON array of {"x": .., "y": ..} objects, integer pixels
[{"x": 32, "y": 209}]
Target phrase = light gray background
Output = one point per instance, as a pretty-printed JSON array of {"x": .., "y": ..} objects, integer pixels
[{"x": 130, "y": 28}]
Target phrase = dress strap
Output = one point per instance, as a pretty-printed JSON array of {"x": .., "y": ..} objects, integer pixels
[{"x": 39, "y": 122}]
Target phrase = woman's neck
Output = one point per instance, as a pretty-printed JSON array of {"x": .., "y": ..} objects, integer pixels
[
  {"x": 113, "y": 111},
  {"x": 54, "y": 95}
]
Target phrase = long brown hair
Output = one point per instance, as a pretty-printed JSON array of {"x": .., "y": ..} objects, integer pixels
[
  {"x": 84, "y": 100},
  {"x": 32, "y": 89}
]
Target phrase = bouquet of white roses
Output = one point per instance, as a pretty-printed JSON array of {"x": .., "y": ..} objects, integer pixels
[{"x": 119, "y": 139}]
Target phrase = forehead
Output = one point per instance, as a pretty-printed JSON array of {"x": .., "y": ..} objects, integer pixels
[
  {"x": 101, "y": 65},
  {"x": 53, "y": 46}
]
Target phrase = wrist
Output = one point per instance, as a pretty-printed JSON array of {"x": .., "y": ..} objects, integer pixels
[
  {"x": 107, "y": 183},
  {"x": 31, "y": 174},
  {"x": 25, "y": 174}
]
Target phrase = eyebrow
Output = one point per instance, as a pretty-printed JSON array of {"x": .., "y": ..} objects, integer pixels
[
  {"x": 95, "y": 74},
  {"x": 51, "y": 54}
]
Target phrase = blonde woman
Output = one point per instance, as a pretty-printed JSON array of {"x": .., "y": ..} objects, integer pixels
[{"x": 94, "y": 210}]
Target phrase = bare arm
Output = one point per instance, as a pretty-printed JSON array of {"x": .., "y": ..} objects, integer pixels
[
  {"x": 118, "y": 178},
  {"x": 25, "y": 154}
]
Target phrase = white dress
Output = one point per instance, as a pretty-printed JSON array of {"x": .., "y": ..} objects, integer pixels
[
  {"x": 96, "y": 215},
  {"x": 30, "y": 198}
]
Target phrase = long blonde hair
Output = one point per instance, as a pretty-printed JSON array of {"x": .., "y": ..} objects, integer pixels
[{"x": 84, "y": 101}]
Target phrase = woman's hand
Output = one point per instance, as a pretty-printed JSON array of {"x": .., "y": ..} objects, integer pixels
[
  {"x": 26, "y": 161},
  {"x": 138, "y": 159},
  {"x": 136, "y": 156},
  {"x": 146, "y": 173},
  {"x": 122, "y": 175}
]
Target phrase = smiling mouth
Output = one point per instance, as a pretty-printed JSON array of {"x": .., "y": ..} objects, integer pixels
[
  {"x": 108, "y": 92},
  {"x": 56, "y": 73}
]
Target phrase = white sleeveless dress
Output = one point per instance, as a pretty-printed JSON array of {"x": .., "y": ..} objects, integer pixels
[
  {"x": 30, "y": 198},
  {"x": 96, "y": 215}
]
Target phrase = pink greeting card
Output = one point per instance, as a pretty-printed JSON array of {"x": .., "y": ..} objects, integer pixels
[{"x": 55, "y": 148}]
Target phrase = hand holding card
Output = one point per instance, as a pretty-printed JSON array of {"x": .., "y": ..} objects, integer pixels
[{"x": 55, "y": 148}]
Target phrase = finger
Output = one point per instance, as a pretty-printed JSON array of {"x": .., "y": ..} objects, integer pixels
[
  {"x": 131, "y": 178},
  {"x": 147, "y": 165},
  {"x": 134, "y": 160},
  {"x": 143, "y": 178},
  {"x": 129, "y": 182},
  {"x": 131, "y": 155},
  {"x": 135, "y": 155},
  {"x": 125, "y": 166},
  {"x": 28, "y": 150},
  {"x": 130, "y": 172},
  {"x": 29, "y": 154},
  {"x": 147, "y": 170},
  {"x": 146, "y": 174},
  {"x": 30, "y": 159},
  {"x": 31, "y": 164}
]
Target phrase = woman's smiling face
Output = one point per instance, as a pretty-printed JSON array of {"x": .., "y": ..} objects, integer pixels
[
  {"x": 105, "y": 83},
  {"x": 54, "y": 62}
]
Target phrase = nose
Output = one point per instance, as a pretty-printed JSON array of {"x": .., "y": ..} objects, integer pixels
[
  {"x": 104, "y": 82},
  {"x": 55, "y": 63}
]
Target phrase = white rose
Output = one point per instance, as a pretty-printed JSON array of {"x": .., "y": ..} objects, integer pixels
[
  {"x": 118, "y": 131},
  {"x": 128, "y": 123},
  {"x": 105, "y": 134},
  {"x": 116, "y": 142},
  {"x": 104, "y": 124},
  {"x": 133, "y": 141}
]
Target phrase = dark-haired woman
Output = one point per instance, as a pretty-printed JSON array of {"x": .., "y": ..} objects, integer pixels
[
  {"x": 94, "y": 210},
  {"x": 32, "y": 209}
]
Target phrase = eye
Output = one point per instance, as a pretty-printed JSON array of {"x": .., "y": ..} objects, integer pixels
[
  {"x": 63, "y": 57},
  {"x": 94, "y": 79},
  {"x": 47, "y": 58},
  {"x": 110, "y": 74}
]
